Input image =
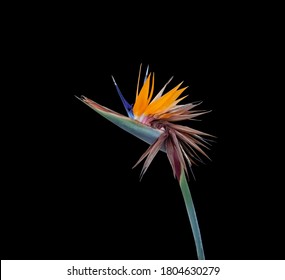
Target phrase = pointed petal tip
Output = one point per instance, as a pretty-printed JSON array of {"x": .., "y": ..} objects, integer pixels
[
  {"x": 113, "y": 80},
  {"x": 196, "y": 103},
  {"x": 81, "y": 98}
]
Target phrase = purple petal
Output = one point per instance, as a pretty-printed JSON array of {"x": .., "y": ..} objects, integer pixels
[{"x": 128, "y": 107}]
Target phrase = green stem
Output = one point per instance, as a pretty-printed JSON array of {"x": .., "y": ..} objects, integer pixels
[{"x": 192, "y": 216}]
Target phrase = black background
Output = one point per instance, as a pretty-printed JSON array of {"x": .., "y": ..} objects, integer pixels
[{"x": 69, "y": 191}]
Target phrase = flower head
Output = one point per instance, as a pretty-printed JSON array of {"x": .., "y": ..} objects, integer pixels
[{"x": 161, "y": 113}]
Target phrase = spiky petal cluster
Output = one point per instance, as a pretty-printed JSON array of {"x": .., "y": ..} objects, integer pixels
[{"x": 181, "y": 143}]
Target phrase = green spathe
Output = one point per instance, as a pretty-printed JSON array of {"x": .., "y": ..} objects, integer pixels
[{"x": 134, "y": 127}]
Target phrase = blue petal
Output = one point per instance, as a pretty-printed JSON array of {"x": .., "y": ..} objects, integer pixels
[{"x": 128, "y": 107}]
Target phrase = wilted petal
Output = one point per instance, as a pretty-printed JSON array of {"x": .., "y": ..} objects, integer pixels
[
  {"x": 151, "y": 152},
  {"x": 175, "y": 154}
]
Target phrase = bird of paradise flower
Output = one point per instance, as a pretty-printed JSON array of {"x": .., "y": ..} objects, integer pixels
[{"x": 154, "y": 120}]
